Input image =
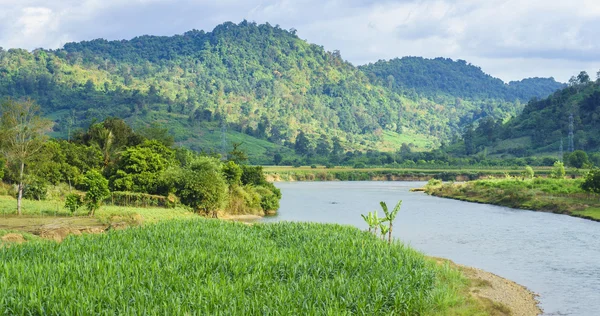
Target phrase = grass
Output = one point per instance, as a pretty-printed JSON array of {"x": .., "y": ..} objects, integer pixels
[
  {"x": 205, "y": 266},
  {"x": 563, "y": 196},
  {"x": 393, "y": 141},
  {"x": 591, "y": 212}
]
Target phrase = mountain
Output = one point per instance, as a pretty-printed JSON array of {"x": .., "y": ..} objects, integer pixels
[
  {"x": 444, "y": 76},
  {"x": 543, "y": 124},
  {"x": 254, "y": 84}
]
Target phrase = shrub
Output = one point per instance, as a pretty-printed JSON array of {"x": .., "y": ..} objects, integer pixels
[
  {"x": 558, "y": 171},
  {"x": 35, "y": 189},
  {"x": 359, "y": 165},
  {"x": 313, "y": 166},
  {"x": 73, "y": 202},
  {"x": 97, "y": 190},
  {"x": 592, "y": 181},
  {"x": 232, "y": 172},
  {"x": 528, "y": 173}
]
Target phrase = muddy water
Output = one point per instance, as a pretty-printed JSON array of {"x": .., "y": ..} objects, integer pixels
[{"x": 556, "y": 256}]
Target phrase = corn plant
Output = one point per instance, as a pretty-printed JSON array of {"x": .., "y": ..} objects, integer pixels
[{"x": 208, "y": 267}]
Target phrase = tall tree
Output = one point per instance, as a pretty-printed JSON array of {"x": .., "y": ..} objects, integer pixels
[{"x": 22, "y": 135}]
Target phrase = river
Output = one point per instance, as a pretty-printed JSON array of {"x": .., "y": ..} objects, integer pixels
[{"x": 556, "y": 256}]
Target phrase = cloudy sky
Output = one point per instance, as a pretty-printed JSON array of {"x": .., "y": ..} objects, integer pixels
[{"x": 509, "y": 39}]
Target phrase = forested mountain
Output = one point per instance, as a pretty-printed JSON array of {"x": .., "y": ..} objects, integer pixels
[
  {"x": 256, "y": 84},
  {"x": 542, "y": 125},
  {"x": 444, "y": 76}
]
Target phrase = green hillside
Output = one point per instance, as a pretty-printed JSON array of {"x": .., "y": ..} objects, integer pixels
[
  {"x": 444, "y": 76},
  {"x": 259, "y": 84},
  {"x": 543, "y": 124}
]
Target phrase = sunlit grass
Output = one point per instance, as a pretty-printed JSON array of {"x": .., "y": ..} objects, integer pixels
[{"x": 213, "y": 267}]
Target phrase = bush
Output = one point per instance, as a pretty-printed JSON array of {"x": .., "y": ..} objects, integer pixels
[
  {"x": 73, "y": 202},
  {"x": 35, "y": 189},
  {"x": 359, "y": 165},
  {"x": 97, "y": 190},
  {"x": 528, "y": 173},
  {"x": 558, "y": 171},
  {"x": 592, "y": 181},
  {"x": 232, "y": 172},
  {"x": 313, "y": 166},
  {"x": 202, "y": 186}
]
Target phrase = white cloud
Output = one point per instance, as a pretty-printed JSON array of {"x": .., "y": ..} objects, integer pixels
[{"x": 510, "y": 39}]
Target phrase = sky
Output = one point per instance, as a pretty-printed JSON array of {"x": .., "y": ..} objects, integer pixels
[{"x": 509, "y": 39}]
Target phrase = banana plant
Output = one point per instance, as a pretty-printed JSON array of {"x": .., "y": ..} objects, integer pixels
[
  {"x": 384, "y": 230},
  {"x": 390, "y": 217},
  {"x": 372, "y": 219}
]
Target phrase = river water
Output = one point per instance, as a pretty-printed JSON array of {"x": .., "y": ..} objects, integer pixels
[{"x": 556, "y": 256}]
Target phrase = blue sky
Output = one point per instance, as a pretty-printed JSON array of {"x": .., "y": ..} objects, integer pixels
[{"x": 509, "y": 39}]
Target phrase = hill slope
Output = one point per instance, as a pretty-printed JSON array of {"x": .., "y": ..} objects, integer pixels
[
  {"x": 443, "y": 76},
  {"x": 542, "y": 125},
  {"x": 256, "y": 84}
]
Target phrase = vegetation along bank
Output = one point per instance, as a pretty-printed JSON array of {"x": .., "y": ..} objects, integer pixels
[{"x": 575, "y": 197}]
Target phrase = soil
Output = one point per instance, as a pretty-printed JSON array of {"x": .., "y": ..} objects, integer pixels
[
  {"x": 53, "y": 228},
  {"x": 501, "y": 296}
]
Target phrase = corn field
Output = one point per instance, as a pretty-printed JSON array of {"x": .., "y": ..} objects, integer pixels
[{"x": 213, "y": 267}]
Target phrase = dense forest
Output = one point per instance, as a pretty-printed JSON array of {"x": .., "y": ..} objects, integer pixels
[
  {"x": 445, "y": 77},
  {"x": 255, "y": 84},
  {"x": 544, "y": 125}
]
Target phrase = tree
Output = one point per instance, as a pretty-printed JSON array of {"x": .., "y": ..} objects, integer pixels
[
  {"x": 528, "y": 173},
  {"x": 302, "y": 146},
  {"x": 97, "y": 190},
  {"x": 558, "y": 171},
  {"x": 22, "y": 135},
  {"x": 578, "y": 159},
  {"x": 592, "y": 181},
  {"x": 237, "y": 155}
]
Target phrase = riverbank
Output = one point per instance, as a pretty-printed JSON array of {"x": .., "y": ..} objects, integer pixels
[
  {"x": 500, "y": 296},
  {"x": 320, "y": 173},
  {"x": 561, "y": 196}
]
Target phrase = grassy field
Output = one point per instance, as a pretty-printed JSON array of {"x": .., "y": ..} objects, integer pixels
[
  {"x": 205, "y": 266},
  {"x": 563, "y": 196}
]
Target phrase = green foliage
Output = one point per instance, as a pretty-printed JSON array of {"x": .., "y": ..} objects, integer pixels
[
  {"x": 97, "y": 190},
  {"x": 35, "y": 189},
  {"x": 261, "y": 82},
  {"x": 139, "y": 168},
  {"x": 253, "y": 175},
  {"x": 558, "y": 170},
  {"x": 592, "y": 181},
  {"x": 433, "y": 77},
  {"x": 73, "y": 202},
  {"x": 282, "y": 268},
  {"x": 201, "y": 186},
  {"x": 578, "y": 159},
  {"x": 232, "y": 172},
  {"x": 390, "y": 216},
  {"x": 528, "y": 173}
]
